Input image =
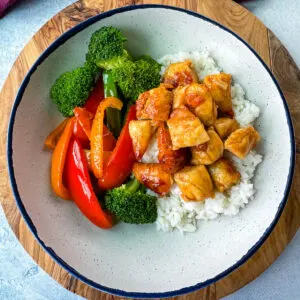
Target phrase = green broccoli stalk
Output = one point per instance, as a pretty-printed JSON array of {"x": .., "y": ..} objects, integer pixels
[
  {"x": 106, "y": 48},
  {"x": 131, "y": 204},
  {"x": 136, "y": 77},
  {"x": 72, "y": 88}
]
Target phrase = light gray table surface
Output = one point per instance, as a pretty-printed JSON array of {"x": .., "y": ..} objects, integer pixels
[{"x": 20, "y": 277}]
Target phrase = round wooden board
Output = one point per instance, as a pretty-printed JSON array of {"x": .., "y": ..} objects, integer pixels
[{"x": 225, "y": 12}]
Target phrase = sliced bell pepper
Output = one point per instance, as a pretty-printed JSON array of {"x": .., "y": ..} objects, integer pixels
[
  {"x": 113, "y": 116},
  {"x": 85, "y": 119},
  {"x": 58, "y": 161},
  {"x": 54, "y": 135},
  {"x": 80, "y": 186},
  {"x": 79, "y": 133},
  {"x": 106, "y": 155},
  {"x": 120, "y": 163},
  {"x": 96, "y": 96},
  {"x": 109, "y": 141},
  {"x": 97, "y": 134}
]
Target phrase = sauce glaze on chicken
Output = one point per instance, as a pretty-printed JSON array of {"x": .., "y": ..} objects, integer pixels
[{"x": 194, "y": 125}]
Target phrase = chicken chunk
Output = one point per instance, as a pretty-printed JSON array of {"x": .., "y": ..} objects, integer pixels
[
  {"x": 242, "y": 141},
  {"x": 170, "y": 160},
  {"x": 186, "y": 129},
  {"x": 209, "y": 152},
  {"x": 225, "y": 126},
  {"x": 219, "y": 86},
  {"x": 195, "y": 183},
  {"x": 224, "y": 174},
  {"x": 153, "y": 177},
  {"x": 179, "y": 96},
  {"x": 154, "y": 104},
  {"x": 199, "y": 100},
  {"x": 140, "y": 132},
  {"x": 181, "y": 73}
]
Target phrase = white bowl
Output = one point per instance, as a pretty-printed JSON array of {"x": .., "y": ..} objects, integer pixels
[{"x": 138, "y": 261}]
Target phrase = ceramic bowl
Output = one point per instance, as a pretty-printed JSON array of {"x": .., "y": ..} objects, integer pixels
[{"x": 138, "y": 261}]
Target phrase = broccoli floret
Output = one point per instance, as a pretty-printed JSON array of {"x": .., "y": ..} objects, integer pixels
[
  {"x": 136, "y": 77},
  {"x": 131, "y": 204},
  {"x": 92, "y": 68},
  {"x": 72, "y": 88},
  {"x": 106, "y": 48}
]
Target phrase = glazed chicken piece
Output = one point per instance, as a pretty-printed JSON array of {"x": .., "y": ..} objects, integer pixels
[
  {"x": 186, "y": 129},
  {"x": 140, "y": 132},
  {"x": 179, "y": 96},
  {"x": 154, "y": 104},
  {"x": 181, "y": 73},
  {"x": 200, "y": 101},
  {"x": 167, "y": 86},
  {"x": 195, "y": 183},
  {"x": 224, "y": 174},
  {"x": 242, "y": 141},
  {"x": 219, "y": 86},
  {"x": 209, "y": 152},
  {"x": 153, "y": 177},
  {"x": 225, "y": 126},
  {"x": 170, "y": 160}
]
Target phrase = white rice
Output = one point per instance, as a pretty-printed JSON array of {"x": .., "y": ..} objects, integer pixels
[{"x": 174, "y": 212}]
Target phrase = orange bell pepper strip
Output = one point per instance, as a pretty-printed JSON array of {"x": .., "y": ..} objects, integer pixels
[
  {"x": 97, "y": 134},
  {"x": 106, "y": 155},
  {"x": 83, "y": 128},
  {"x": 58, "y": 161},
  {"x": 54, "y": 135}
]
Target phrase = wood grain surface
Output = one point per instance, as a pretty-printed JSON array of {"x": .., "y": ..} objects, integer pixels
[{"x": 225, "y": 12}]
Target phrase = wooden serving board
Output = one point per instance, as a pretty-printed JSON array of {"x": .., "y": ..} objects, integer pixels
[{"x": 225, "y": 12}]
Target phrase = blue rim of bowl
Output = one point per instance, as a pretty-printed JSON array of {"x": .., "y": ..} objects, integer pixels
[{"x": 63, "y": 38}]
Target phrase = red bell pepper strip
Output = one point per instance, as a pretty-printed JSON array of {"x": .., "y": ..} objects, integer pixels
[
  {"x": 80, "y": 187},
  {"x": 120, "y": 163},
  {"x": 80, "y": 135},
  {"x": 85, "y": 119},
  {"x": 96, "y": 96},
  {"x": 91, "y": 105},
  {"x": 109, "y": 141},
  {"x": 97, "y": 134}
]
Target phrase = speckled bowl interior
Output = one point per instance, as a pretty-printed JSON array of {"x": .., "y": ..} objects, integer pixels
[{"x": 134, "y": 260}]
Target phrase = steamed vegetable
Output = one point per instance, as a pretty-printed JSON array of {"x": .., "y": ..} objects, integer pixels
[
  {"x": 96, "y": 96},
  {"x": 131, "y": 204},
  {"x": 136, "y": 77},
  {"x": 55, "y": 134},
  {"x": 113, "y": 116},
  {"x": 97, "y": 134},
  {"x": 106, "y": 48},
  {"x": 72, "y": 89},
  {"x": 119, "y": 164},
  {"x": 59, "y": 160},
  {"x": 80, "y": 187}
]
